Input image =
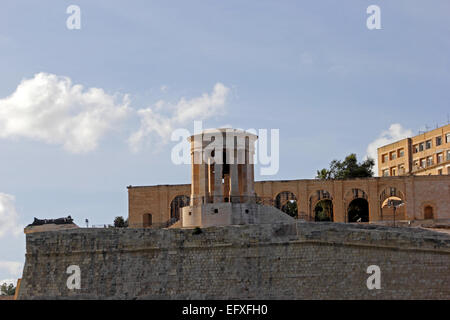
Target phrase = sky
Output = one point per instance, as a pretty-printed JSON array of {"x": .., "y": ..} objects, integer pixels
[{"x": 86, "y": 112}]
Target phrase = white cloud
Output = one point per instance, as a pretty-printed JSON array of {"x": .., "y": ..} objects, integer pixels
[
  {"x": 153, "y": 121},
  {"x": 51, "y": 109},
  {"x": 14, "y": 268},
  {"x": 9, "y": 218},
  {"x": 394, "y": 133}
]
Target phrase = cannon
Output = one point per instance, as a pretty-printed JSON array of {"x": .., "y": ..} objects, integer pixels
[{"x": 40, "y": 222}]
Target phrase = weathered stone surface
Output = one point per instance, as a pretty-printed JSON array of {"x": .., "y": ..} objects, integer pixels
[
  {"x": 284, "y": 261},
  {"x": 418, "y": 192}
]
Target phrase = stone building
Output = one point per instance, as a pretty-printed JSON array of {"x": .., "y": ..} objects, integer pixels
[
  {"x": 222, "y": 188},
  {"x": 425, "y": 154},
  {"x": 218, "y": 188},
  {"x": 251, "y": 250}
]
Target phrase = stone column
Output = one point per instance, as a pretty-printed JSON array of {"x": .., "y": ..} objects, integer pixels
[
  {"x": 374, "y": 202},
  {"x": 338, "y": 202},
  {"x": 244, "y": 182},
  {"x": 193, "y": 178},
  {"x": 234, "y": 177},
  {"x": 195, "y": 184},
  {"x": 203, "y": 182},
  {"x": 250, "y": 178},
  {"x": 218, "y": 187},
  {"x": 211, "y": 180}
]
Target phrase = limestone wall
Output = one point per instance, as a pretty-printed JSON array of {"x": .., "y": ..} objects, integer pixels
[
  {"x": 289, "y": 261},
  {"x": 227, "y": 213},
  {"x": 417, "y": 192}
]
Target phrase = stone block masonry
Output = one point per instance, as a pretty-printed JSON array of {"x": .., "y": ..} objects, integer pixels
[{"x": 298, "y": 260}]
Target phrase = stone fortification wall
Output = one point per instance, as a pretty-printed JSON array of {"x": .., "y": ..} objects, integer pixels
[{"x": 285, "y": 261}]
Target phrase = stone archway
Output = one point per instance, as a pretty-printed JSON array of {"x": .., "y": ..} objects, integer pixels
[
  {"x": 390, "y": 197},
  {"x": 321, "y": 206},
  {"x": 358, "y": 210},
  {"x": 357, "y": 206},
  {"x": 286, "y": 201},
  {"x": 323, "y": 211},
  {"x": 176, "y": 204}
]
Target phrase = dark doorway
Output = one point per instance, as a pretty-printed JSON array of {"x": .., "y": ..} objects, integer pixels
[
  {"x": 428, "y": 212},
  {"x": 287, "y": 202},
  {"x": 177, "y": 203},
  {"x": 148, "y": 221},
  {"x": 358, "y": 210},
  {"x": 323, "y": 211}
]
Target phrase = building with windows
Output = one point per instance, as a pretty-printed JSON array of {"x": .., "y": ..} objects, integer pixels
[
  {"x": 225, "y": 193},
  {"x": 425, "y": 154}
]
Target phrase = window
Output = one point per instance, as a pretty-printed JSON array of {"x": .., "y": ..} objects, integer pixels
[
  {"x": 440, "y": 172},
  {"x": 447, "y": 137},
  {"x": 393, "y": 155},
  {"x": 422, "y": 146},
  {"x": 401, "y": 169},
  {"x": 438, "y": 141},
  {"x": 423, "y": 163},
  {"x": 428, "y": 144},
  {"x": 393, "y": 192},
  {"x": 384, "y": 158},
  {"x": 440, "y": 157},
  {"x": 448, "y": 155},
  {"x": 401, "y": 153},
  {"x": 416, "y": 163},
  {"x": 416, "y": 148},
  {"x": 429, "y": 161},
  {"x": 394, "y": 171},
  {"x": 385, "y": 173}
]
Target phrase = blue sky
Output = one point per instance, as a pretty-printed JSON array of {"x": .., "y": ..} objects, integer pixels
[{"x": 309, "y": 68}]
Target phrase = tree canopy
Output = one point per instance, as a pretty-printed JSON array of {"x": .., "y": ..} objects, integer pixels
[
  {"x": 7, "y": 289},
  {"x": 347, "y": 169},
  {"x": 290, "y": 208},
  {"x": 120, "y": 222}
]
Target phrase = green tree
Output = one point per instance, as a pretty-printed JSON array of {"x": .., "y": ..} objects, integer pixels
[
  {"x": 7, "y": 289},
  {"x": 290, "y": 208},
  {"x": 347, "y": 169},
  {"x": 120, "y": 222},
  {"x": 324, "y": 211}
]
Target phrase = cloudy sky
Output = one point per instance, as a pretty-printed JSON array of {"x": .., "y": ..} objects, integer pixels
[{"x": 84, "y": 113}]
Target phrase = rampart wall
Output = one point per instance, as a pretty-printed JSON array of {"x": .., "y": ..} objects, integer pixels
[{"x": 300, "y": 260}]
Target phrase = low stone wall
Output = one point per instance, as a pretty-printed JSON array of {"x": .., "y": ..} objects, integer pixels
[
  {"x": 286, "y": 261},
  {"x": 228, "y": 213}
]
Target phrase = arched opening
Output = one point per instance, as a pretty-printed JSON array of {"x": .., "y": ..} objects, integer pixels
[
  {"x": 323, "y": 211},
  {"x": 147, "y": 220},
  {"x": 428, "y": 212},
  {"x": 358, "y": 210},
  {"x": 320, "y": 206},
  {"x": 286, "y": 201},
  {"x": 392, "y": 204},
  {"x": 177, "y": 203}
]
